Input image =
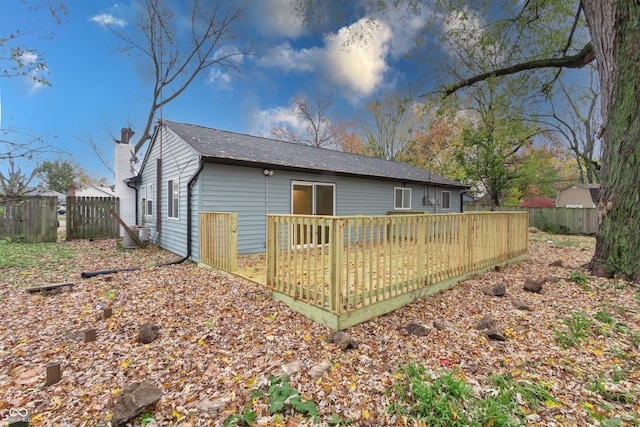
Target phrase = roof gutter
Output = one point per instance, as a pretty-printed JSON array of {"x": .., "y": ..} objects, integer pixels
[{"x": 275, "y": 166}]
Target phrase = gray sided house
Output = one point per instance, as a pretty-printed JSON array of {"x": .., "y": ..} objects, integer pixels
[{"x": 190, "y": 169}]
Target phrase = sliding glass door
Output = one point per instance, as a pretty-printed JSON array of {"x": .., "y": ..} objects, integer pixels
[{"x": 312, "y": 198}]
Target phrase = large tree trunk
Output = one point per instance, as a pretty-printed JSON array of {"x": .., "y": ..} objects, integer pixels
[{"x": 615, "y": 33}]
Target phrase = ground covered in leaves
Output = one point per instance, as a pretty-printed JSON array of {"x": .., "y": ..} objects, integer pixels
[{"x": 224, "y": 345}]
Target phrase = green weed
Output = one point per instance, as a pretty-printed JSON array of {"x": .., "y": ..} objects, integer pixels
[
  {"x": 146, "y": 419},
  {"x": 580, "y": 278},
  {"x": 280, "y": 396},
  {"x": 577, "y": 328},
  {"x": 447, "y": 400}
]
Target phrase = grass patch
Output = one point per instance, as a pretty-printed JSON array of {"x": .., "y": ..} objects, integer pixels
[
  {"x": 576, "y": 329},
  {"x": 581, "y": 278},
  {"x": 27, "y": 255},
  {"x": 564, "y": 241},
  {"x": 449, "y": 401}
]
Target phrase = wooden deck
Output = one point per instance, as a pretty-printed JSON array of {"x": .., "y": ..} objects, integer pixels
[{"x": 341, "y": 271}]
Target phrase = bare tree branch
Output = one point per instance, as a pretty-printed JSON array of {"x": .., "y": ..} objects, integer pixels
[
  {"x": 582, "y": 58},
  {"x": 176, "y": 61}
]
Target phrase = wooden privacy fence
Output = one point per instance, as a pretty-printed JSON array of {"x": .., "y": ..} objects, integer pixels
[
  {"x": 219, "y": 240},
  {"x": 89, "y": 217},
  {"x": 341, "y": 271},
  {"x": 30, "y": 219},
  {"x": 556, "y": 220}
]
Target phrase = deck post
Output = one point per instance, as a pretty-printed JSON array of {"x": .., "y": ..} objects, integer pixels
[{"x": 335, "y": 266}]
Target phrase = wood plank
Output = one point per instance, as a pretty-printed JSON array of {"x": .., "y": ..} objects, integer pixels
[{"x": 51, "y": 287}]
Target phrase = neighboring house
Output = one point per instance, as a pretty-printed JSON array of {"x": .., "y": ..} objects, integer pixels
[
  {"x": 94, "y": 191},
  {"x": 578, "y": 196},
  {"x": 47, "y": 193},
  {"x": 190, "y": 169}
]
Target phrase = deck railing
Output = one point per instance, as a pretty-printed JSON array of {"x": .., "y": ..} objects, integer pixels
[
  {"x": 219, "y": 240},
  {"x": 340, "y": 265}
]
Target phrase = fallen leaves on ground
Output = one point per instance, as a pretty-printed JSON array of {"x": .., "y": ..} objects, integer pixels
[{"x": 221, "y": 337}]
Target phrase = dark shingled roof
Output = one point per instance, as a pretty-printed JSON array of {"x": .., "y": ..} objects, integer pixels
[{"x": 234, "y": 148}]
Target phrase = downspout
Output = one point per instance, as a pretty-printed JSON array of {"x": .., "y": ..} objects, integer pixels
[
  {"x": 87, "y": 274},
  {"x": 136, "y": 190}
]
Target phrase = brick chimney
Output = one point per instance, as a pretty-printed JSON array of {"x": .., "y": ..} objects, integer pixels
[
  {"x": 125, "y": 136},
  {"x": 71, "y": 190}
]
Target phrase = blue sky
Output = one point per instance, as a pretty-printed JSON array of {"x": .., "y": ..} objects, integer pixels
[{"x": 96, "y": 90}]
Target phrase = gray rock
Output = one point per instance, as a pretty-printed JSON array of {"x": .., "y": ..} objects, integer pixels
[
  {"x": 292, "y": 367},
  {"x": 342, "y": 340},
  {"x": 148, "y": 333},
  {"x": 521, "y": 305},
  {"x": 439, "y": 325},
  {"x": 487, "y": 322},
  {"x": 533, "y": 285},
  {"x": 498, "y": 290},
  {"x": 418, "y": 329},
  {"x": 318, "y": 370},
  {"x": 133, "y": 401},
  {"x": 495, "y": 334}
]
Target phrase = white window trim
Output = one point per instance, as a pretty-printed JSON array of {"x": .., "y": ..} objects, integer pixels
[
  {"x": 170, "y": 202},
  {"x": 404, "y": 190},
  {"x": 442, "y": 200},
  {"x": 148, "y": 198}
]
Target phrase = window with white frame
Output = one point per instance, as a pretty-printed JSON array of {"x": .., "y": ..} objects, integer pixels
[
  {"x": 402, "y": 198},
  {"x": 446, "y": 200},
  {"x": 147, "y": 201},
  {"x": 173, "y": 198}
]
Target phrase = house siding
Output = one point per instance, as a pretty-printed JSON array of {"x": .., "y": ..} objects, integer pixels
[
  {"x": 246, "y": 191},
  {"x": 178, "y": 161},
  {"x": 575, "y": 196}
]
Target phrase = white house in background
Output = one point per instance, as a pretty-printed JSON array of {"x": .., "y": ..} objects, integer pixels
[
  {"x": 579, "y": 196},
  {"x": 94, "y": 191}
]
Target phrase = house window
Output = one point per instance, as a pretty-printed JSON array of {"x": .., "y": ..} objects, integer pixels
[
  {"x": 312, "y": 198},
  {"x": 402, "y": 198},
  {"x": 147, "y": 209},
  {"x": 446, "y": 200},
  {"x": 173, "y": 198}
]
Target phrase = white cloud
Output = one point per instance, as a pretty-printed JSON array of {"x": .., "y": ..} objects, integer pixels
[
  {"x": 353, "y": 60},
  {"x": 106, "y": 19},
  {"x": 218, "y": 76},
  {"x": 276, "y": 18},
  {"x": 263, "y": 121},
  {"x": 358, "y": 65},
  {"x": 288, "y": 59},
  {"x": 405, "y": 26},
  {"x": 219, "y": 79},
  {"x": 33, "y": 78}
]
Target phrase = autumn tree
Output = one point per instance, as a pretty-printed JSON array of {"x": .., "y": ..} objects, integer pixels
[
  {"x": 314, "y": 124},
  {"x": 388, "y": 125},
  {"x": 178, "y": 57},
  {"x": 578, "y": 124},
  {"x": 538, "y": 171},
  {"x": 433, "y": 146},
  {"x": 559, "y": 35}
]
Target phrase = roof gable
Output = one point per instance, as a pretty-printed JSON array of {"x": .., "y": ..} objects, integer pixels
[{"x": 234, "y": 148}]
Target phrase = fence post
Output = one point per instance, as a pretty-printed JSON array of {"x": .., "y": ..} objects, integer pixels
[
  {"x": 335, "y": 266},
  {"x": 272, "y": 244}
]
